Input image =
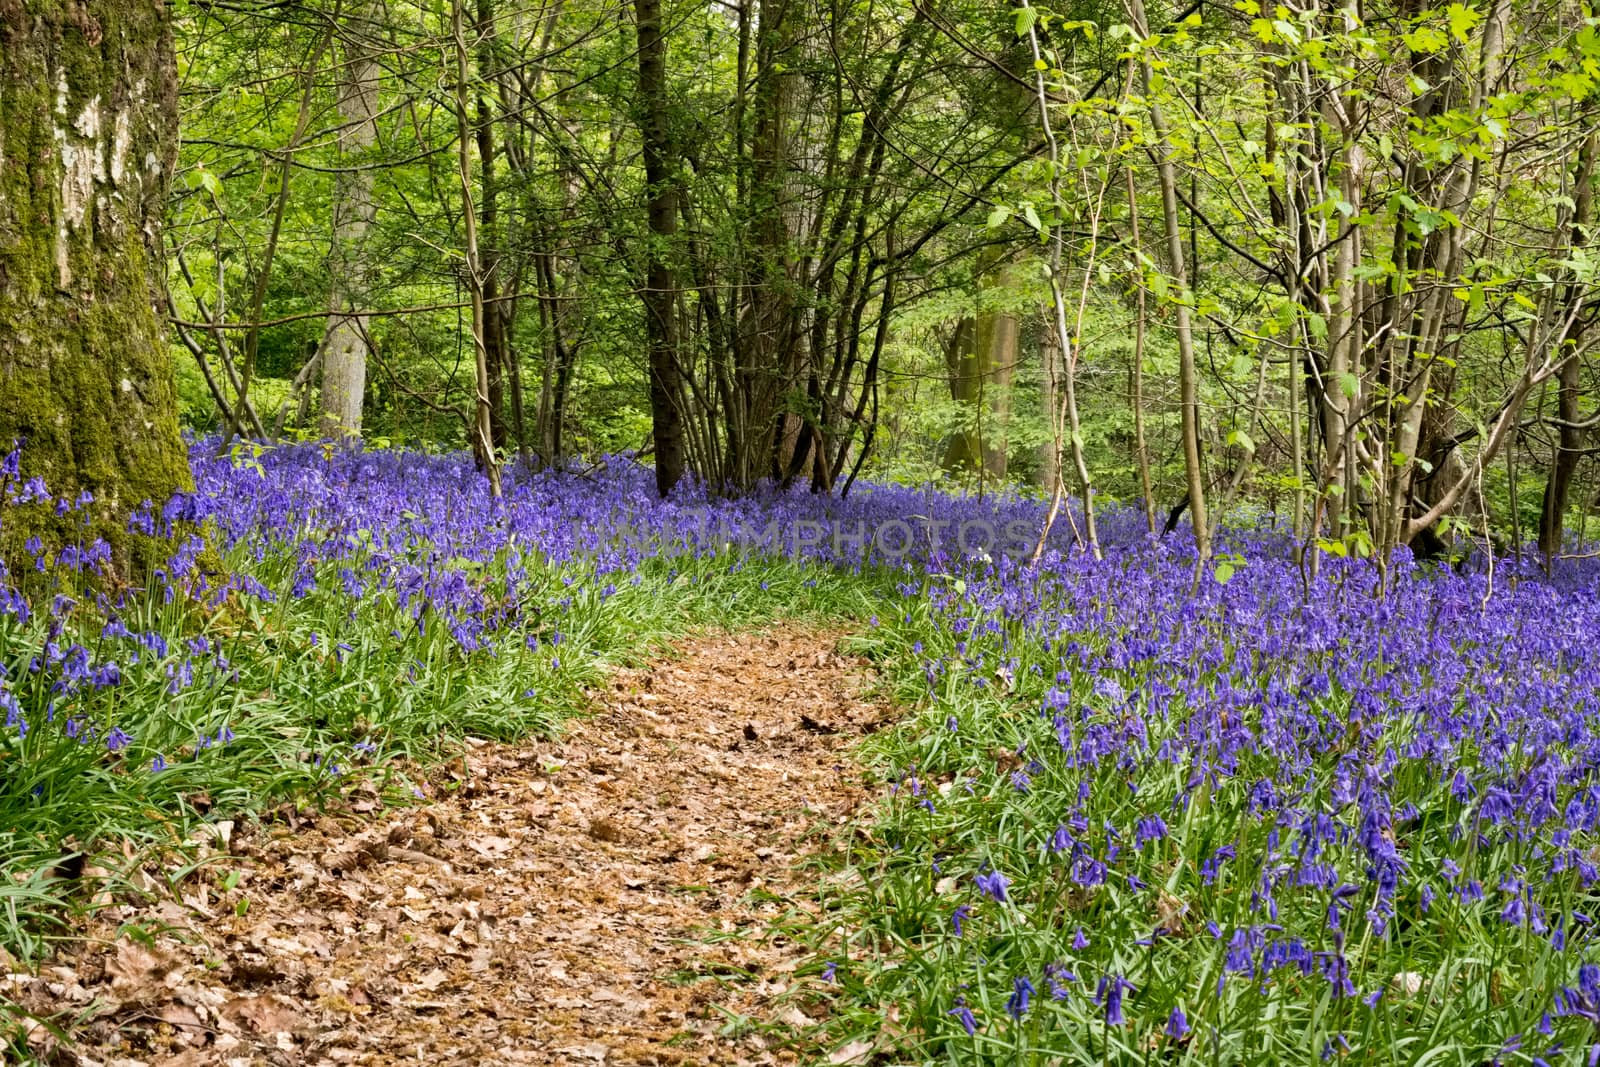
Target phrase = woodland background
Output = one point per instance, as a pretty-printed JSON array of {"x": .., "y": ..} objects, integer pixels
[{"x": 1327, "y": 260}]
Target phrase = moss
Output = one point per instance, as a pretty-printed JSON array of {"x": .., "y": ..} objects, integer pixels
[{"x": 87, "y": 379}]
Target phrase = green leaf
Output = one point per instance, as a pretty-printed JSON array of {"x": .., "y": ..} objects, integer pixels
[
  {"x": 1425, "y": 40},
  {"x": 998, "y": 217},
  {"x": 201, "y": 178},
  {"x": 1462, "y": 20}
]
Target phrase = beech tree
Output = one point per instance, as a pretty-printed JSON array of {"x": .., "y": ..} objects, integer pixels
[{"x": 88, "y": 136}]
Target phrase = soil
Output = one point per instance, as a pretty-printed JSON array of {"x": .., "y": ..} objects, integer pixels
[{"x": 618, "y": 896}]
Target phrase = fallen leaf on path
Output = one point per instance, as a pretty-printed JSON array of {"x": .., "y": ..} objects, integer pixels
[
  {"x": 267, "y": 1014},
  {"x": 856, "y": 1052},
  {"x": 181, "y": 1015},
  {"x": 137, "y": 972},
  {"x": 587, "y": 1052}
]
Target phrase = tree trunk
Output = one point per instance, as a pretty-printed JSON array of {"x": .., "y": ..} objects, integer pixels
[
  {"x": 1141, "y": 450},
  {"x": 985, "y": 353},
  {"x": 496, "y": 312},
  {"x": 960, "y": 361},
  {"x": 344, "y": 360},
  {"x": 1188, "y": 374},
  {"x": 1049, "y": 392},
  {"x": 482, "y": 437},
  {"x": 774, "y": 360},
  {"x": 1552, "y": 518},
  {"x": 660, "y": 294},
  {"x": 88, "y": 136}
]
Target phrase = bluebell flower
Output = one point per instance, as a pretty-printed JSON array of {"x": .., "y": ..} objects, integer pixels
[
  {"x": 993, "y": 884},
  {"x": 1021, "y": 995},
  {"x": 1110, "y": 994}
]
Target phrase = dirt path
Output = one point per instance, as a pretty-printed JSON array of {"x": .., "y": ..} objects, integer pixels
[{"x": 604, "y": 899}]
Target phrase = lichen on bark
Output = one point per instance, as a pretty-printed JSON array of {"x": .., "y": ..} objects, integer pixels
[{"x": 88, "y": 133}]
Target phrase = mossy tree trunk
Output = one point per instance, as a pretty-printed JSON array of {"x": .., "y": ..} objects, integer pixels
[{"x": 88, "y": 136}]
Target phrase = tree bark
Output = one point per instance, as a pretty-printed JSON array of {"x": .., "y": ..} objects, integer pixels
[
  {"x": 88, "y": 137},
  {"x": 1557, "y": 489},
  {"x": 774, "y": 362}
]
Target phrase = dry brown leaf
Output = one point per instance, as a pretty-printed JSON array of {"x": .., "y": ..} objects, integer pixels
[
  {"x": 603, "y": 829},
  {"x": 432, "y": 980},
  {"x": 855, "y": 1052},
  {"x": 490, "y": 847},
  {"x": 137, "y": 972},
  {"x": 266, "y": 1014},
  {"x": 180, "y": 1015},
  {"x": 796, "y": 1018}
]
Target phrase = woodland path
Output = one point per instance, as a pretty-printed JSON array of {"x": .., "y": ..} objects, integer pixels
[{"x": 604, "y": 898}]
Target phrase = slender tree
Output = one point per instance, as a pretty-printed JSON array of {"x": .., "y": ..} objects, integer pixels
[
  {"x": 483, "y": 447},
  {"x": 344, "y": 344},
  {"x": 1188, "y": 372},
  {"x": 660, "y": 289}
]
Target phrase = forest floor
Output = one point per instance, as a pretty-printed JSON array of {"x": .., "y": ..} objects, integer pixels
[{"x": 615, "y": 896}]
